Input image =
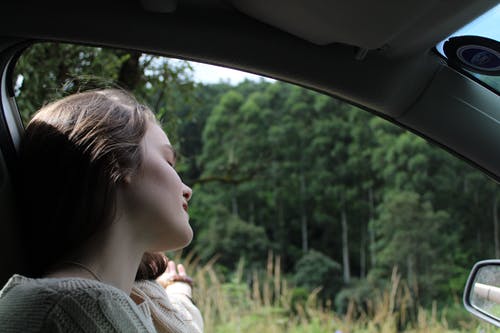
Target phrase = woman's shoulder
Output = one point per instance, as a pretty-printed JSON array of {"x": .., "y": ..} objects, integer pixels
[
  {"x": 55, "y": 288},
  {"x": 24, "y": 294},
  {"x": 81, "y": 301}
]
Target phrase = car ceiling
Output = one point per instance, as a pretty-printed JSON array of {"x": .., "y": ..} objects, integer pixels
[
  {"x": 393, "y": 26},
  {"x": 377, "y": 55}
]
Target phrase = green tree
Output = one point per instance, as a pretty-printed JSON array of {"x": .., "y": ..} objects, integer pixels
[
  {"x": 411, "y": 235},
  {"x": 314, "y": 269}
]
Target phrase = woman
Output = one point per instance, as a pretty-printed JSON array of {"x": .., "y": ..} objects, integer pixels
[{"x": 99, "y": 197}]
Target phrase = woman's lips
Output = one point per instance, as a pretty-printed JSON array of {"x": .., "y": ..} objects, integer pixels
[{"x": 185, "y": 206}]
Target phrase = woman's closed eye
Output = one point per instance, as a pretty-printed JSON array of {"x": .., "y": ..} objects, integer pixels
[{"x": 171, "y": 161}]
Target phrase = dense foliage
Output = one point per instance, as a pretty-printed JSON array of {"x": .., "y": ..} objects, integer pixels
[{"x": 341, "y": 196}]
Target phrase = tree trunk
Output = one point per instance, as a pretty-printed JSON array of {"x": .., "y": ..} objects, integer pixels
[
  {"x": 234, "y": 202},
  {"x": 345, "y": 248},
  {"x": 304, "y": 234},
  {"x": 281, "y": 232},
  {"x": 252, "y": 212},
  {"x": 303, "y": 217},
  {"x": 130, "y": 71},
  {"x": 479, "y": 241},
  {"x": 362, "y": 254},
  {"x": 371, "y": 231},
  {"x": 410, "y": 270},
  {"x": 495, "y": 225}
]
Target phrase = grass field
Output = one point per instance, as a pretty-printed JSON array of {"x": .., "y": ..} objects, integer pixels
[{"x": 267, "y": 305}]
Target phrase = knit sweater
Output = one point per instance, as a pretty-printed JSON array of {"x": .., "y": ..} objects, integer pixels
[{"x": 84, "y": 305}]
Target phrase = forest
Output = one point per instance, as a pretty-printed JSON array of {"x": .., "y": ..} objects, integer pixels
[{"x": 310, "y": 214}]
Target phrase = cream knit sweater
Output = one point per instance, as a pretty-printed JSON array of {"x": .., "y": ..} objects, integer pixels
[{"x": 83, "y": 305}]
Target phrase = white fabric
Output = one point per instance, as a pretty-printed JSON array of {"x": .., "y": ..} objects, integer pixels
[{"x": 83, "y": 305}]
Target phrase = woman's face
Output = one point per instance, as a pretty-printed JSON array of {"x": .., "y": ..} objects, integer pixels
[{"x": 155, "y": 196}]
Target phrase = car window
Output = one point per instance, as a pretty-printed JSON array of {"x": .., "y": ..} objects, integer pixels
[{"x": 308, "y": 212}]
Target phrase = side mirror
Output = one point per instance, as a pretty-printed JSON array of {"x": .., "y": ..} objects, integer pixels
[{"x": 482, "y": 291}]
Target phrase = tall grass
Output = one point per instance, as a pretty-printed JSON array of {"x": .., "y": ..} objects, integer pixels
[{"x": 267, "y": 303}]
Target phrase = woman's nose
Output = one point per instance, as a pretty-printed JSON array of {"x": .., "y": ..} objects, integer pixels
[{"x": 187, "y": 193}]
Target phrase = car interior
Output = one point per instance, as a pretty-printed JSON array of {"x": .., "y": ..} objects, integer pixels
[{"x": 379, "y": 56}]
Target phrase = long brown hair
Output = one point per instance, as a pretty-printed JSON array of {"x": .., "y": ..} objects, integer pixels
[{"x": 74, "y": 153}]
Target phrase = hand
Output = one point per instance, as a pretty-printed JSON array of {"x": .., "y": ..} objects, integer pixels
[{"x": 171, "y": 275}]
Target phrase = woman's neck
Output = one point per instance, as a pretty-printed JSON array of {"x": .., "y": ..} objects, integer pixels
[{"x": 112, "y": 256}]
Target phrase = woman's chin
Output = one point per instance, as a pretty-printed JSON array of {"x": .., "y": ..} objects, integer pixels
[
  {"x": 188, "y": 237},
  {"x": 179, "y": 242}
]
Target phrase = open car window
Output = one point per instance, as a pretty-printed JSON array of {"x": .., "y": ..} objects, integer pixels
[{"x": 305, "y": 208}]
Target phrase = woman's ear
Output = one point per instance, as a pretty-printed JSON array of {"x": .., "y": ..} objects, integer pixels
[{"x": 127, "y": 180}]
